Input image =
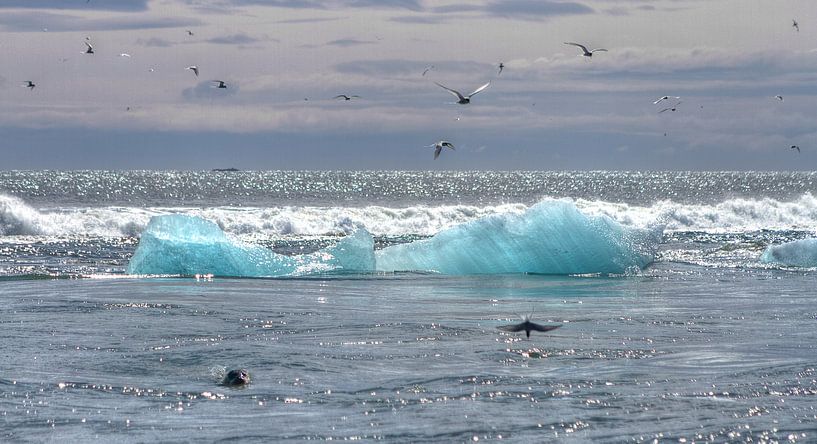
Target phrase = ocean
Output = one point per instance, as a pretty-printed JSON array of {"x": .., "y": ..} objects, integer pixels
[{"x": 704, "y": 341}]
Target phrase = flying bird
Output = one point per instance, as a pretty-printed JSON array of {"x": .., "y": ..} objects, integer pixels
[
  {"x": 672, "y": 108},
  {"x": 428, "y": 68},
  {"x": 585, "y": 52},
  {"x": 438, "y": 147},
  {"x": 194, "y": 68},
  {"x": 501, "y": 67},
  {"x": 664, "y": 98},
  {"x": 527, "y": 326},
  {"x": 345, "y": 97},
  {"x": 795, "y": 147},
  {"x": 124, "y": 54},
  {"x": 29, "y": 84},
  {"x": 221, "y": 84},
  {"x": 779, "y": 97},
  {"x": 189, "y": 32},
  {"x": 90, "y": 49},
  {"x": 795, "y": 25},
  {"x": 463, "y": 100}
]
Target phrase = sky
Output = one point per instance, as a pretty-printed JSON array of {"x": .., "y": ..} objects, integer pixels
[{"x": 284, "y": 61}]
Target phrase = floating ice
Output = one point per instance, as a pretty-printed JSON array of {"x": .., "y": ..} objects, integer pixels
[
  {"x": 800, "y": 253},
  {"x": 552, "y": 237},
  {"x": 186, "y": 245}
]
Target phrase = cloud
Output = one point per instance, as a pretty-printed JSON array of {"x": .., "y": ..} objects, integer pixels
[
  {"x": 208, "y": 90},
  {"x": 109, "y": 5},
  {"x": 534, "y": 9},
  {"x": 412, "y": 5},
  {"x": 155, "y": 42},
  {"x": 235, "y": 39},
  {"x": 28, "y": 22},
  {"x": 349, "y": 42}
]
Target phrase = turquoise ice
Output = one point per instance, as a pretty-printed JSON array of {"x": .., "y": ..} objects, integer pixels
[
  {"x": 552, "y": 237},
  {"x": 799, "y": 253}
]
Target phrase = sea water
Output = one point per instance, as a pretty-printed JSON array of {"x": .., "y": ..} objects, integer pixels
[{"x": 706, "y": 341}]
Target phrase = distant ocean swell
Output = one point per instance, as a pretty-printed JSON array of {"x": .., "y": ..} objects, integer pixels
[{"x": 734, "y": 215}]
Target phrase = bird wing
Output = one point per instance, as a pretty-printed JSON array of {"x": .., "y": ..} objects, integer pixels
[
  {"x": 339, "y": 96},
  {"x": 448, "y": 144},
  {"x": 479, "y": 89},
  {"x": 659, "y": 100},
  {"x": 538, "y": 327},
  {"x": 437, "y": 151},
  {"x": 665, "y": 109},
  {"x": 456, "y": 93},
  {"x": 584, "y": 48},
  {"x": 598, "y": 49},
  {"x": 88, "y": 45},
  {"x": 511, "y": 328}
]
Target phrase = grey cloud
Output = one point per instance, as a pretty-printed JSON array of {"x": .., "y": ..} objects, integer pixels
[
  {"x": 109, "y": 5},
  {"x": 535, "y": 9},
  {"x": 349, "y": 42},
  {"x": 27, "y": 22},
  {"x": 410, "y": 68},
  {"x": 235, "y": 39},
  {"x": 155, "y": 42},
  {"x": 413, "y": 5}
]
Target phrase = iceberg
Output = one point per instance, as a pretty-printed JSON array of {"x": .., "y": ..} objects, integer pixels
[
  {"x": 551, "y": 237},
  {"x": 185, "y": 245},
  {"x": 799, "y": 253}
]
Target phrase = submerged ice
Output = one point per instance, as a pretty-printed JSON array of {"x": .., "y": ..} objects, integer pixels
[
  {"x": 552, "y": 237},
  {"x": 799, "y": 253}
]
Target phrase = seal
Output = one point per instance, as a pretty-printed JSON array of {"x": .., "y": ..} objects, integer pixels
[{"x": 236, "y": 378}]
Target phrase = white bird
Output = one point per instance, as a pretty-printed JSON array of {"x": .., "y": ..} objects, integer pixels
[
  {"x": 664, "y": 98},
  {"x": 221, "y": 84},
  {"x": 779, "y": 97},
  {"x": 585, "y": 52},
  {"x": 124, "y": 54},
  {"x": 438, "y": 147},
  {"x": 194, "y": 68},
  {"x": 90, "y": 49},
  {"x": 463, "y": 100}
]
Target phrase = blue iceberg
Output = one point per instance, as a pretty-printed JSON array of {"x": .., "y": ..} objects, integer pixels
[
  {"x": 551, "y": 237},
  {"x": 800, "y": 253},
  {"x": 185, "y": 245}
]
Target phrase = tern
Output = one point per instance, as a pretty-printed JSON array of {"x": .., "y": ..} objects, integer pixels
[
  {"x": 664, "y": 98},
  {"x": 672, "y": 108},
  {"x": 428, "y": 68},
  {"x": 795, "y": 147},
  {"x": 194, "y": 68},
  {"x": 345, "y": 97},
  {"x": 779, "y": 97},
  {"x": 463, "y": 100},
  {"x": 585, "y": 52},
  {"x": 501, "y": 67},
  {"x": 795, "y": 25},
  {"x": 189, "y": 32},
  {"x": 124, "y": 54},
  {"x": 29, "y": 84},
  {"x": 438, "y": 147},
  {"x": 221, "y": 83},
  {"x": 90, "y": 49},
  {"x": 527, "y": 326}
]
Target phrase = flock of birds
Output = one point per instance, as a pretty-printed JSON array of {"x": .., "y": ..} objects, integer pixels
[{"x": 461, "y": 99}]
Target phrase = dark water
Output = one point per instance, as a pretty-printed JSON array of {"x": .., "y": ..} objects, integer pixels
[{"x": 707, "y": 344}]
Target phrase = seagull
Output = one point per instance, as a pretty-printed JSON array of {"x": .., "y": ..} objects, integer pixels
[
  {"x": 221, "y": 83},
  {"x": 501, "y": 67},
  {"x": 428, "y": 68},
  {"x": 29, "y": 84},
  {"x": 672, "y": 108},
  {"x": 585, "y": 52},
  {"x": 189, "y": 32},
  {"x": 795, "y": 147},
  {"x": 795, "y": 25},
  {"x": 124, "y": 54},
  {"x": 194, "y": 68},
  {"x": 463, "y": 100},
  {"x": 438, "y": 147},
  {"x": 664, "y": 98},
  {"x": 527, "y": 326},
  {"x": 90, "y": 49},
  {"x": 345, "y": 97},
  {"x": 779, "y": 97}
]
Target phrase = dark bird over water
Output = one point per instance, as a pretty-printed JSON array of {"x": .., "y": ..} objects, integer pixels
[
  {"x": 795, "y": 25},
  {"x": 795, "y": 147},
  {"x": 194, "y": 68},
  {"x": 29, "y": 84},
  {"x": 672, "y": 108},
  {"x": 90, "y": 49},
  {"x": 501, "y": 67},
  {"x": 585, "y": 51},
  {"x": 345, "y": 97},
  {"x": 221, "y": 83},
  {"x": 527, "y": 326}
]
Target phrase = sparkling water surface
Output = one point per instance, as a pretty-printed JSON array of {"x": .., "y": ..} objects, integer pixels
[{"x": 707, "y": 344}]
